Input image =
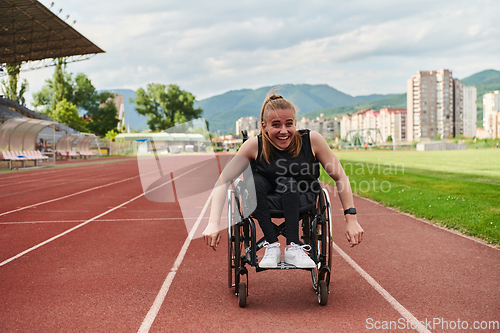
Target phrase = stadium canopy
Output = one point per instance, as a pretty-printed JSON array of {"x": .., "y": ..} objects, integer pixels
[
  {"x": 29, "y": 32},
  {"x": 19, "y": 134}
]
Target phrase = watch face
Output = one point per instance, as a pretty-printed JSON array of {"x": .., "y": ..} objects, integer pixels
[{"x": 350, "y": 211}]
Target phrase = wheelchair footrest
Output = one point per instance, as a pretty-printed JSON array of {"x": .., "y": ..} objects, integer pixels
[{"x": 283, "y": 265}]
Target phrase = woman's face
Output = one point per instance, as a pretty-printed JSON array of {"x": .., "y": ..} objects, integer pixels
[{"x": 280, "y": 126}]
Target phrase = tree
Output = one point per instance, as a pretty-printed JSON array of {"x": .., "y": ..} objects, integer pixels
[
  {"x": 56, "y": 89},
  {"x": 165, "y": 108},
  {"x": 85, "y": 95},
  {"x": 67, "y": 113},
  {"x": 10, "y": 86},
  {"x": 111, "y": 134},
  {"x": 81, "y": 93},
  {"x": 103, "y": 119}
]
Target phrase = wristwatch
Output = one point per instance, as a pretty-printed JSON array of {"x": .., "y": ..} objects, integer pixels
[{"x": 351, "y": 211}]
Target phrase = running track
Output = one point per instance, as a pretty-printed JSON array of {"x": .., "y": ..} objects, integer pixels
[{"x": 82, "y": 250}]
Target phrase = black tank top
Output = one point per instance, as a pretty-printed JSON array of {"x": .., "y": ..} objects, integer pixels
[{"x": 304, "y": 167}]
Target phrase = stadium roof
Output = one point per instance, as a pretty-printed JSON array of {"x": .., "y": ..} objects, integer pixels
[{"x": 29, "y": 31}]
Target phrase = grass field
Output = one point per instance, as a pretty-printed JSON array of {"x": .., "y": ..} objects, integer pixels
[{"x": 456, "y": 189}]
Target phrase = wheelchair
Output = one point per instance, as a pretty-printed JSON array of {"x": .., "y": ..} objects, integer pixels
[{"x": 316, "y": 226}]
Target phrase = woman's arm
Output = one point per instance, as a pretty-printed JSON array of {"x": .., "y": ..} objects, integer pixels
[
  {"x": 247, "y": 153},
  {"x": 332, "y": 166}
]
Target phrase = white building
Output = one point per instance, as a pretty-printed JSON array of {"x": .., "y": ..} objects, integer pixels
[
  {"x": 469, "y": 111},
  {"x": 491, "y": 110},
  {"x": 328, "y": 128},
  {"x": 392, "y": 122},
  {"x": 345, "y": 125},
  {"x": 119, "y": 101},
  {"x": 371, "y": 119},
  {"x": 251, "y": 124},
  {"x": 373, "y": 125}
]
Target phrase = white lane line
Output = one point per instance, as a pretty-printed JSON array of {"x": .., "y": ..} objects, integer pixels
[
  {"x": 25, "y": 174},
  {"x": 41, "y": 184},
  {"x": 385, "y": 294},
  {"x": 394, "y": 303},
  {"x": 48, "y": 178},
  {"x": 108, "y": 220},
  {"x": 455, "y": 232},
  {"x": 66, "y": 232},
  {"x": 153, "y": 312},
  {"x": 66, "y": 196},
  {"x": 94, "y": 218}
]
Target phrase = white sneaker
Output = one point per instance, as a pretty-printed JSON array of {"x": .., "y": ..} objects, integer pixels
[
  {"x": 272, "y": 257},
  {"x": 296, "y": 256}
]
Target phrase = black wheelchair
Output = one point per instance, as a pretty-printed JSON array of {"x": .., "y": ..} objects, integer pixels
[{"x": 316, "y": 225}]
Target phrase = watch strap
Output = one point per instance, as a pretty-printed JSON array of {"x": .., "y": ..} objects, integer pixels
[{"x": 351, "y": 211}]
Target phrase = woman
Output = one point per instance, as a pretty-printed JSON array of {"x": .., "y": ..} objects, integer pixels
[{"x": 283, "y": 160}]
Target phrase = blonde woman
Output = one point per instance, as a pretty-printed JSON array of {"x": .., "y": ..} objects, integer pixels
[{"x": 284, "y": 160}]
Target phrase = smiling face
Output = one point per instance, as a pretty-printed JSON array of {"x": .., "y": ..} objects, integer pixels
[{"x": 280, "y": 126}]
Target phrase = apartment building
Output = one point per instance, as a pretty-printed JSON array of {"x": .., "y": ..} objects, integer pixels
[
  {"x": 430, "y": 105},
  {"x": 392, "y": 122},
  {"x": 251, "y": 124},
  {"x": 328, "y": 128},
  {"x": 439, "y": 106},
  {"x": 345, "y": 125},
  {"x": 119, "y": 101},
  {"x": 467, "y": 125},
  {"x": 491, "y": 114}
]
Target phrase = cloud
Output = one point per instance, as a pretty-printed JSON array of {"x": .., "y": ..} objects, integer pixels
[{"x": 211, "y": 47}]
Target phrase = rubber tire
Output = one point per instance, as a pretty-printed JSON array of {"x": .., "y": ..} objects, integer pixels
[
  {"x": 242, "y": 294},
  {"x": 230, "y": 260},
  {"x": 322, "y": 293}
]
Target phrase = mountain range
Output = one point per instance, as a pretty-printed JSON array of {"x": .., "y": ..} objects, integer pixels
[{"x": 223, "y": 110}]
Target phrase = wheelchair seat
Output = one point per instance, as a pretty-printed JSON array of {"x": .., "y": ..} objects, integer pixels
[{"x": 307, "y": 202}]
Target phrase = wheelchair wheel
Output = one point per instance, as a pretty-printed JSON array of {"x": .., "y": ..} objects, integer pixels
[
  {"x": 320, "y": 237},
  {"x": 236, "y": 240},
  {"x": 230, "y": 253},
  {"x": 322, "y": 293},
  {"x": 242, "y": 294}
]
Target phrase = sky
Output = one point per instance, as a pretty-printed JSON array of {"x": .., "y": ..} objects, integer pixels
[{"x": 359, "y": 47}]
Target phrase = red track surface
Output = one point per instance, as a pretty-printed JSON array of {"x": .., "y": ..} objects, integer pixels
[{"x": 105, "y": 275}]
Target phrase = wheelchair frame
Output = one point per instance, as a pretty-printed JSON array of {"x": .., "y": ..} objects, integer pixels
[{"x": 243, "y": 245}]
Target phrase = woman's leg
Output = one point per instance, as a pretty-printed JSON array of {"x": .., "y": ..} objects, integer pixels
[
  {"x": 287, "y": 187},
  {"x": 261, "y": 213}
]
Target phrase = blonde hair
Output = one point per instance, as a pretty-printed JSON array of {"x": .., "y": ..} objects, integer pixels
[{"x": 275, "y": 101}]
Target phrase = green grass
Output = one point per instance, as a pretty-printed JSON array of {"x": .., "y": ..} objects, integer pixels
[{"x": 456, "y": 189}]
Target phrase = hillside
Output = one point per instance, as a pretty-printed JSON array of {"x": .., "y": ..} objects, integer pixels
[
  {"x": 394, "y": 101},
  {"x": 485, "y": 82},
  {"x": 484, "y": 78},
  {"x": 222, "y": 111}
]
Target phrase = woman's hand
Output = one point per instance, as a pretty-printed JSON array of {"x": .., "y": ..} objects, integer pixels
[
  {"x": 353, "y": 231},
  {"x": 211, "y": 235}
]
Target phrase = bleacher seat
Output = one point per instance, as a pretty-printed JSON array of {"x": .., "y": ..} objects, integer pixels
[
  {"x": 86, "y": 153},
  {"x": 23, "y": 156}
]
